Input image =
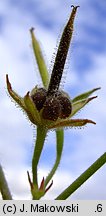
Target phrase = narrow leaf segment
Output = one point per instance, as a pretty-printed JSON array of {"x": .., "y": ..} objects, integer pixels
[
  {"x": 5, "y": 192},
  {"x": 82, "y": 178}
]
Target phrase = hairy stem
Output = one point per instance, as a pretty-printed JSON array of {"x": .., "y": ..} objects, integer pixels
[
  {"x": 83, "y": 177},
  {"x": 41, "y": 134},
  {"x": 60, "y": 141},
  {"x": 5, "y": 192}
]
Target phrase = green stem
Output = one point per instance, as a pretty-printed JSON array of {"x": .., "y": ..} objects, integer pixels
[
  {"x": 6, "y": 195},
  {"x": 60, "y": 141},
  {"x": 41, "y": 134},
  {"x": 82, "y": 178}
]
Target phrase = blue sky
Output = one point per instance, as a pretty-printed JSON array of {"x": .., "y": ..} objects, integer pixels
[{"x": 85, "y": 69}]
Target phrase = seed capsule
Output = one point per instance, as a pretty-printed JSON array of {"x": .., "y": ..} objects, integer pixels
[
  {"x": 66, "y": 107},
  {"x": 51, "y": 108},
  {"x": 39, "y": 98}
]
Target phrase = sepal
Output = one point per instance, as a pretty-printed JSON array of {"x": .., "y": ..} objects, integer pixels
[
  {"x": 32, "y": 111},
  {"x": 18, "y": 99},
  {"x": 71, "y": 123},
  {"x": 39, "y": 59},
  {"x": 84, "y": 95},
  {"x": 78, "y": 105}
]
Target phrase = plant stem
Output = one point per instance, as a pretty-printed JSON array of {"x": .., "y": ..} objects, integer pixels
[
  {"x": 41, "y": 134},
  {"x": 6, "y": 195},
  {"x": 60, "y": 141},
  {"x": 83, "y": 177}
]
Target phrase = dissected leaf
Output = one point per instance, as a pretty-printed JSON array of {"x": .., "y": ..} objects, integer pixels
[
  {"x": 78, "y": 105},
  {"x": 85, "y": 95}
]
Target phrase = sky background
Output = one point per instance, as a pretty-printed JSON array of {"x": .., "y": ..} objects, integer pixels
[{"x": 85, "y": 69}]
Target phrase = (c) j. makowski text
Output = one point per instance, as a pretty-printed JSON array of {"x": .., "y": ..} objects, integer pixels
[{"x": 51, "y": 208}]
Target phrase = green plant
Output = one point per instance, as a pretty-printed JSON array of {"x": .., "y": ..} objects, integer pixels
[{"x": 50, "y": 108}]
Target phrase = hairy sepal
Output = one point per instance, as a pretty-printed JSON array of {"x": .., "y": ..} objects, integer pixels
[
  {"x": 18, "y": 99},
  {"x": 78, "y": 105},
  {"x": 32, "y": 111},
  {"x": 71, "y": 123},
  {"x": 84, "y": 95}
]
